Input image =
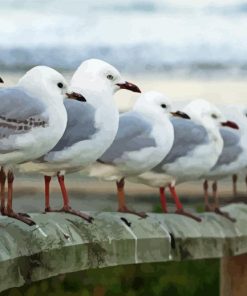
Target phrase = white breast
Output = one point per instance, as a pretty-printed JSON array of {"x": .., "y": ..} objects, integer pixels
[{"x": 85, "y": 152}]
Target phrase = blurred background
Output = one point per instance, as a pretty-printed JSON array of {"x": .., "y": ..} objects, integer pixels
[
  {"x": 189, "y": 37},
  {"x": 185, "y": 49}
]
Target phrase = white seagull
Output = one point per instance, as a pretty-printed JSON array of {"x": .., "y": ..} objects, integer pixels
[
  {"x": 145, "y": 135},
  {"x": 233, "y": 157},
  {"x": 238, "y": 113},
  {"x": 196, "y": 148},
  {"x": 32, "y": 120},
  {"x": 91, "y": 127}
]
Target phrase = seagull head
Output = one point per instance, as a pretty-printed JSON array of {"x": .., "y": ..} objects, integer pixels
[
  {"x": 96, "y": 73},
  {"x": 236, "y": 113},
  {"x": 208, "y": 114},
  {"x": 156, "y": 103},
  {"x": 47, "y": 83}
]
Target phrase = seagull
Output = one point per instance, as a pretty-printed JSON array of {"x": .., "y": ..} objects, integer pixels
[
  {"x": 145, "y": 135},
  {"x": 1, "y": 80},
  {"x": 90, "y": 130},
  {"x": 196, "y": 148},
  {"x": 238, "y": 113},
  {"x": 233, "y": 157},
  {"x": 32, "y": 120}
]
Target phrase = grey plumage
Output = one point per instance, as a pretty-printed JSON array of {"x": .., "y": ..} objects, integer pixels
[
  {"x": 187, "y": 136},
  {"x": 133, "y": 135},
  {"x": 19, "y": 113},
  {"x": 80, "y": 124},
  {"x": 231, "y": 147}
]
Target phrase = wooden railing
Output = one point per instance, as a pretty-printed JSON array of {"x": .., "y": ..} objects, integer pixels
[{"x": 62, "y": 243}]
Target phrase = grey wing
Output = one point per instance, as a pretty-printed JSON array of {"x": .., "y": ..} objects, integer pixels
[
  {"x": 19, "y": 113},
  {"x": 187, "y": 135},
  {"x": 80, "y": 124},
  {"x": 133, "y": 135},
  {"x": 231, "y": 147}
]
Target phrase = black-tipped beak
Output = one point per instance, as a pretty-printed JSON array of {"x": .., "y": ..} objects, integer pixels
[
  {"x": 129, "y": 86},
  {"x": 75, "y": 96},
  {"x": 180, "y": 114},
  {"x": 1, "y": 80},
  {"x": 230, "y": 124}
]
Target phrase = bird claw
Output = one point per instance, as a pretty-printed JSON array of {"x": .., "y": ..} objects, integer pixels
[
  {"x": 24, "y": 215},
  {"x": 20, "y": 217},
  {"x": 189, "y": 215},
  {"x": 224, "y": 214},
  {"x": 126, "y": 210},
  {"x": 69, "y": 210}
]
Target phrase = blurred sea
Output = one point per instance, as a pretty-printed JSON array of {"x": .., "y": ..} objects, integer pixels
[{"x": 138, "y": 36}]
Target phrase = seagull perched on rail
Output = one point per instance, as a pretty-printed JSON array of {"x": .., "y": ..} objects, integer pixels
[
  {"x": 239, "y": 114},
  {"x": 91, "y": 127},
  {"x": 32, "y": 120},
  {"x": 145, "y": 135},
  {"x": 196, "y": 148},
  {"x": 233, "y": 157}
]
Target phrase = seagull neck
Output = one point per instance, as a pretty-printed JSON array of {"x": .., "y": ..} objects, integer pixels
[
  {"x": 45, "y": 96},
  {"x": 213, "y": 130},
  {"x": 95, "y": 95},
  {"x": 151, "y": 113}
]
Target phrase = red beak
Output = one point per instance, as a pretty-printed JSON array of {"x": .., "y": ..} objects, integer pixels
[
  {"x": 230, "y": 124},
  {"x": 129, "y": 86},
  {"x": 76, "y": 96},
  {"x": 180, "y": 114}
]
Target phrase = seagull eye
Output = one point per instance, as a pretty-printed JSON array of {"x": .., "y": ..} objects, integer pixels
[
  {"x": 60, "y": 84},
  {"x": 214, "y": 116},
  {"x": 110, "y": 77},
  {"x": 163, "y": 106}
]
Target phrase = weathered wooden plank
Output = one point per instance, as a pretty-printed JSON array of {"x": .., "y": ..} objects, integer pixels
[
  {"x": 234, "y": 276},
  {"x": 62, "y": 243}
]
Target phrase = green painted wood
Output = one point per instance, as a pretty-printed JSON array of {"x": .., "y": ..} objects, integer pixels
[{"x": 62, "y": 243}]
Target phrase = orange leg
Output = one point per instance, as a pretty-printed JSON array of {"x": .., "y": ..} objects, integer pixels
[
  {"x": 64, "y": 192},
  {"x": 175, "y": 197},
  {"x": 2, "y": 181},
  {"x": 66, "y": 206},
  {"x": 217, "y": 205},
  {"x": 9, "y": 210},
  {"x": 163, "y": 200},
  {"x": 206, "y": 201},
  {"x": 47, "y": 193},
  {"x": 234, "y": 184},
  {"x": 179, "y": 206},
  {"x": 121, "y": 195},
  {"x": 122, "y": 203}
]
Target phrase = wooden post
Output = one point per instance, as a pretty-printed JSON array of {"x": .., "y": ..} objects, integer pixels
[{"x": 233, "y": 276}]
